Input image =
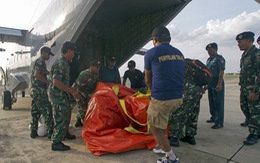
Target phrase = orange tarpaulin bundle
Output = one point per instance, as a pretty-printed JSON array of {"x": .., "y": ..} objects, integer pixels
[{"x": 116, "y": 121}]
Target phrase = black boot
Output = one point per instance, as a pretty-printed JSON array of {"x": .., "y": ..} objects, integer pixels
[
  {"x": 78, "y": 123},
  {"x": 189, "y": 139},
  {"x": 245, "y": 123},
  {"x": 174, "y": 142},
  {"x": 69, "y": 136},
  {"x": 251, "y": 139},
  {"x": 59, "y": 147},
  {"x": 33, "y": 134}
]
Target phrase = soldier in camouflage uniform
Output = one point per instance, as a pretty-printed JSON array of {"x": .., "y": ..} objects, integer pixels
[
  {"x": 249, "y": 82},
  {"x": 187, "y": 114},
  {"x": 59, "y": 90},
  {"x": 38, "y": 92},
  {"x": 85, "y": 85}
]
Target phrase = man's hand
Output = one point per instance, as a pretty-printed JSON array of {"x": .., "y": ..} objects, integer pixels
[
  {"x": 253, "y": 96},
  {"x": 218, "y": 87},
  {"x": 74, "y": 93}
]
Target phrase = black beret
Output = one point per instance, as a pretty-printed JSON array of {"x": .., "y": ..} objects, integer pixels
[
  {"x": 212, "y": 45},
  {"x": 245, "y": 35}
]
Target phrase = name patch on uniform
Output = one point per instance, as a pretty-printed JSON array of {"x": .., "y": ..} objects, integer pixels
[{"x": 170, "y": 57}]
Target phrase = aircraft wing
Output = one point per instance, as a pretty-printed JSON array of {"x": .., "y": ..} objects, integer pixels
[{"x": 12, "y": 35}]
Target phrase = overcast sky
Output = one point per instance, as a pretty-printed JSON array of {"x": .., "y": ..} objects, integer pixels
[{"x": 199, "y": 23}]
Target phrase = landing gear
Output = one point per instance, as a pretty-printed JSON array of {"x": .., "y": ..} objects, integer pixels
[{"x": 6, "y": 100}]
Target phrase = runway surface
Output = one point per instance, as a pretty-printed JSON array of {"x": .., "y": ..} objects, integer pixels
[{"x": 213, "y": 146}]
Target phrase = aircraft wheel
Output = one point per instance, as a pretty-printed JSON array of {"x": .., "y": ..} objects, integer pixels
[{"x": 6, "y": 100}]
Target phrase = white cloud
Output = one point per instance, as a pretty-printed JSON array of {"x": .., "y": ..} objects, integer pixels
[{"x": 193, "y": 43}]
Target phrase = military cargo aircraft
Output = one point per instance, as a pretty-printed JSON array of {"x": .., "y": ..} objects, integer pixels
[{"x": 98, "y": 27}]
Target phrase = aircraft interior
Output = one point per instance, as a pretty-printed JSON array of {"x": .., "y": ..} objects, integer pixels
[{"x": 111, "y": 31}]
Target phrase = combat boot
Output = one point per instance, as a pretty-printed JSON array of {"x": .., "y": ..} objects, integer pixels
[
  {"x": 59, "y": 147},
  {"x": 69, "y": 136},
  {"x": 245, "y": 123},
  {"x": 33, "y": 134},
  {"x": 174, "y": 142},
  {"x": 78, "y": 123},
  {"x": 251, "y": 139},
  {"x": 189, "y": 139}
]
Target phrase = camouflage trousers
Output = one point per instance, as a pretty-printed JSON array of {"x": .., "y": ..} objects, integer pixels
[
  {"x": 61, "y": 116},
  {"x": 41, "y": 106},
  {"x": 82, "y": 105},
  {"x": 251, "y": 109},
  {"x": 186, "y": 116}
]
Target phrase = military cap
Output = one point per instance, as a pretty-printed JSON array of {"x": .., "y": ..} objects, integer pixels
[
  {"x": 245, "y": 35},
  {"x": 111, "y": 58},
  {"x": 47, "y": 50},
  {"x": 95, "y": 63},
  {"x": 212, "y": 45},
  {"x": 161, "y": 32},
  {"x": 69, "y": 46},
  {"x": 131, "y": 63}
]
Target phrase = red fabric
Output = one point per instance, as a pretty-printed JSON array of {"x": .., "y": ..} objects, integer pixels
[{"x": 104, "y": 123}]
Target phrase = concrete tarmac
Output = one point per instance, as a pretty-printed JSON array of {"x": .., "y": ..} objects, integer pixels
[{"x": 223, "y": 145}]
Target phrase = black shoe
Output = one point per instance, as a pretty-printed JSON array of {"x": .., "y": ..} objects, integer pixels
[
  {"x": 174, "y": 142},
  {"x": 69, "y": 136},
  {"x": 210, "y": 121},
  {"x": 59, "y": 147},
  {"x": 251, "y": 139},
  {"x": 78, "y": 123},
  {"x": 244, "y": 124},
  {"x": 33, "y": 134},
  {"x": 215, "y": 126},
  {"x": 189, "y": 139}
]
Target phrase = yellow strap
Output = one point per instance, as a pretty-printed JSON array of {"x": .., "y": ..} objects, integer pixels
[
  {"x": 130, "y": 127},
  {"x": 133, "y": 130},
  {"x": 115, "y": 89},
  {"x": 141, "y": 95},
  {"x": 122, "y": 103}
]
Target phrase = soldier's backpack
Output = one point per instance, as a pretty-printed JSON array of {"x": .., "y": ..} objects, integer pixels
[{"x": 198, "y": 71}]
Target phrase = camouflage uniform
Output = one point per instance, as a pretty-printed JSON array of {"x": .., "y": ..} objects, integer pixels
[
  {"x": 187, "y": 114},
  {"x": 85, "y": 85},
  {"x": 59, "y": 99},
  {"x": 249, "y": 81},
  {"x": 40, "y": 102}
]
